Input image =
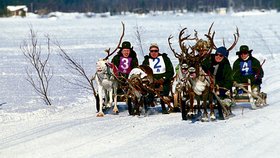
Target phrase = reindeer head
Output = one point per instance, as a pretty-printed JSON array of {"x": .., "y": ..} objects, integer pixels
[
  {"x": 191, "y": 57},
  {"x": 101, "y": 66}
]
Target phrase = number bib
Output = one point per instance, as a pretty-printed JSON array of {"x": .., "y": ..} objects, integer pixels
[
  {"x": 246, "y": 68},
  {"x": 157, "y": 65},
  {"x": 124, "y": 66}
]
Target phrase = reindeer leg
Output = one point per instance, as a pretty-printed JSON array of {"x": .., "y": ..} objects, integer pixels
[
  {"x": 211, "y": 105},
  {"x": 100, "y": 112},
  {"x": 205, "y": 113},
  {"x": 163, "y": 108},
  {"x": 110, "y": 97},
  {"x": 191, "y": 111},
  {"x": 137, "y": 106},
  {"x": 115, "y": 110}
]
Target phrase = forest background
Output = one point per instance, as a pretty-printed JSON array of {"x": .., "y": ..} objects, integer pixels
[{"x": 116, "y": 7}]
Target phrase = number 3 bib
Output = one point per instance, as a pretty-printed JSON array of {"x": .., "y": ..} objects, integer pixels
[
  {"x": 124, "y": 66},
  {"x": 157, "y": 65}
]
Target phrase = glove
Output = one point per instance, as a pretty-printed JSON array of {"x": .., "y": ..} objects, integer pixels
[{"x": 257, "y": 81}]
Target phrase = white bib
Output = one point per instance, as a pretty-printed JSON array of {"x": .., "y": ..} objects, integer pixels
[{"x": 157, "y": 65}]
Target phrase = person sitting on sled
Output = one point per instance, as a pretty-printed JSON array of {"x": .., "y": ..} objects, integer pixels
[
  {"x": 219, "y": 67},
  {"x": 125, "y": 60},
  {"x": 162, "y": 68},
  {"x": 247, "y": 67}
]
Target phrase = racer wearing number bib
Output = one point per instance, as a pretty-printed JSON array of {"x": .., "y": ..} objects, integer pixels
[
  {"x": 162, "y": 69},
  {"x": 125, "y": 64},
  {"x": 247, "y": 67}
]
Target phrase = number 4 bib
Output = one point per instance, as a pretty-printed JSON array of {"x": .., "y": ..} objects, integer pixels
[{"x": 157, "y": 65}]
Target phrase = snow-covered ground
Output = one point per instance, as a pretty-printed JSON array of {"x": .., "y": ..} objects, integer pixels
[{"x": 70, "y": 127}]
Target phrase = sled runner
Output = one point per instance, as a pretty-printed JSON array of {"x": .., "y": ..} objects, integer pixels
[{"x": 244, "y": 95}]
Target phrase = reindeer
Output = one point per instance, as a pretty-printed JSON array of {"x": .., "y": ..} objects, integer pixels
[
  {"x": 140, "y": 85},
  {"x": 192, "y": 81},
  {"x": 138, "y": 81},
  {"x": 107, "y": 83}
]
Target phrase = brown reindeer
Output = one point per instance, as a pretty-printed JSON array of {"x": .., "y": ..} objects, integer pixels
[
  {"x": 193, "y": 81},
  {"x": 140, "y": 85}
]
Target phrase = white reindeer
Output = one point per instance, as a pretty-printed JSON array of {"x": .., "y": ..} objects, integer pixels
[
  {"x": 106, "y": 80},
  {"x": 107, "y": 86}
]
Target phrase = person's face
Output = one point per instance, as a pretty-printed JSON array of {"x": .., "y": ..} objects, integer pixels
[
  {"x": 125, "y": 52},
  {"x": 244, "y": 55},
  {"x": 219, "y": 57},
  {"x": 154, "y": 52}
]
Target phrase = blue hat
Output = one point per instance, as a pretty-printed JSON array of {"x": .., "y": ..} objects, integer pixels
[{"x": 222, "y": 50}]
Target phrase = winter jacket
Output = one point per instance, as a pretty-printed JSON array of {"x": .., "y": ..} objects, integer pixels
[
  {"x": 125, "y": 65},
  {"x": 248, "y": 69},
  {"x": 162, "y": 69},
  {"x": 223, "y": 74}
]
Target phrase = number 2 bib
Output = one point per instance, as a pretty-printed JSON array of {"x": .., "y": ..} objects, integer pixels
[{"x": 157, "y": 65}]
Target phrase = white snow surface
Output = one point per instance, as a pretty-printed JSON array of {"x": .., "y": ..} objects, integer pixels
[{"x": 69, "y": 128}]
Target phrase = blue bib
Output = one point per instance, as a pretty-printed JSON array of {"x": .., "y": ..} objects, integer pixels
[{"x": 246, "y": 68}]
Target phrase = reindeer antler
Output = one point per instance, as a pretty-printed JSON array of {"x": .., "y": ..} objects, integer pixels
[
  {"x": 211, "y": 38},
  {"x": 181, "y": 40},
  {"x": 108, "y": 50},
  {"x": 169, "y": 43},
  {"x": 236, "y": 37}
]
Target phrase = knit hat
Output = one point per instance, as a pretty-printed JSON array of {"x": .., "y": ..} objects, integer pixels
[
  {"x": 126, "y": 45},
  {"x": 154, "y": 45},
  {"x": 244, "y": 48},
  {"x": 222, "y": 50}
]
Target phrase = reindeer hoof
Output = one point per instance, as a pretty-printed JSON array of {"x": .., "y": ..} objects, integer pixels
[
  {"x": 175, "y": 109},
  {"x": 100, "y": 114},
  {"x": 165, "y": 112},
  {"x": 191, "y": 113},
  {"x": 116, "y": 111},
  {"x": 212, "y": 117},
  {"x": 204, "y": 119}
]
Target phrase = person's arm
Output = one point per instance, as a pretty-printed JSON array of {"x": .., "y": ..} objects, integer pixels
[
  {"x": 169, "y": 68},
  {"x": 236, "y": 71},
  {"x": 146, "y": 61},
  {"x": 134, "y": 63},
  {"x": 227, "y": 82},
  {"x": 257, "y": 68},
  {"x": 206, "y": 64},
  {"x": 115, "y": 61}
]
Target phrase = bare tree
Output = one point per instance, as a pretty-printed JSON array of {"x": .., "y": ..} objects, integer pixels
[
  {"x": 84, "y": 81},
  {"x": 138, "y": 38},
  {"x": 76, "y": 68},
  {"x": 40, "y": 75}
]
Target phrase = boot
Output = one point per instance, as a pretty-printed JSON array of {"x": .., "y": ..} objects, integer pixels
[{"x": 164, "y": 111}]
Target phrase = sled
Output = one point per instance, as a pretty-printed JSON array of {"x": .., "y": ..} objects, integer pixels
[{"x": 249, "y": 98}]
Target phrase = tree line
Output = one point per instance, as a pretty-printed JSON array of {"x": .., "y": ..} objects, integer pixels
[{"x": 118, "y": 6}]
